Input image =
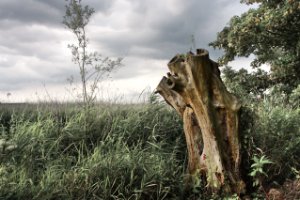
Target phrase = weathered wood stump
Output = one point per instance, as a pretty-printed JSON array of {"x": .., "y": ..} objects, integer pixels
[{"x": 193, "y": 87}]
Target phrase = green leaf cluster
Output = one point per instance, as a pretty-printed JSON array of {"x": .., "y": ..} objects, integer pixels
[
  {"x": 271, "y": 32},
  {"x": 257, "y": 169}
]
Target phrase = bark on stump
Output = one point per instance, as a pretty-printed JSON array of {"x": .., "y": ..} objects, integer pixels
[{"x": 193, "y": 87}]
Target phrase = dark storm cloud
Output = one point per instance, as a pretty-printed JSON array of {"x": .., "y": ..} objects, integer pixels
[
  {"x": 161, "y": 29},
  {"x": 46, "y": 12},
  {"x": 155, "y": 30},
  {"x": 28, "y": 12}
]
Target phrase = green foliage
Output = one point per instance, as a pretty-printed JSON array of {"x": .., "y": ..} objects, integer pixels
[
  {"x": 233, "y": 197},
  {"x": 271, "y": 32},
  {"x": 278, "y": 135},
  {"x": 257, "y": 169},
  {"x": 247, "y": 86},
  {"x": 269, "y": 124},
  {"x": 296, "y": 172},
  {"x": 77, "y": 16},
  {"x": 295, "y": 98}
]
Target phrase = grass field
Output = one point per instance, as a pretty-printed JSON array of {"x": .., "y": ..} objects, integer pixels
[
  {"x": 113, "y": 152},
  {"x": 132, "y": 151}
]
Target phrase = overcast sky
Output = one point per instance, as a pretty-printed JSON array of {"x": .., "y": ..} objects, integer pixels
[{"x": 35, "y": 61}]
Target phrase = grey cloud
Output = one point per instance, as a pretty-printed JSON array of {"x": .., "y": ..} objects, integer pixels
[
  {"x": 28, "y": 12},
  {"x": 147, "y": 33},
  {"x": 49, "y": 12},
  {"x": 165, "y": 34},
  {"x": 44, "y": 72}
]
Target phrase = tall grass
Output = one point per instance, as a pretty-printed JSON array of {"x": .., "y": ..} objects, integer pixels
[
  {"x": 127, "y": 151},
  {"x": 270, "y": 127},
  {"x": 112, "y": 152},
  {"x": 277, "y": 134}
]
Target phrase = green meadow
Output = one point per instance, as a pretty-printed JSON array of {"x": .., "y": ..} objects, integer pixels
[{"x": 127, "y": 151}]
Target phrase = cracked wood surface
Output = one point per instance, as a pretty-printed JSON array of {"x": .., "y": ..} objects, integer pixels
[{"x": 193, "y": 87}]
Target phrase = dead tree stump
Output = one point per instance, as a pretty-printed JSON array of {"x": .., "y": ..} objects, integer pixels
[{"x": 193, "y": 87}]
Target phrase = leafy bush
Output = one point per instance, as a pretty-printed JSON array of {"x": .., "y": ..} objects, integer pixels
[
  {"x": 278, "y": 135},
  {"x": 269, "y": 123}
]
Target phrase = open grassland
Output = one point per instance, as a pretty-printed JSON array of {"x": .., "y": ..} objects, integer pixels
[
  {"x": 109, "y": 152},
  {"x": 60, "y": 151}
]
